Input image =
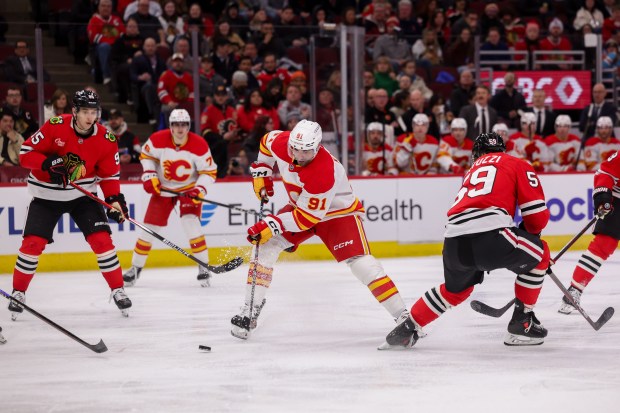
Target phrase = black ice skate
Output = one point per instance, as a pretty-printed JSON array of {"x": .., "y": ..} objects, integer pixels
[
  {"x": 567, "y": 307},
  {"x": 524, "y": 328},
  {"x": 241, "y": 323},
  {"x": 2, "y": 339},
  {"x": 121, "y": 300},
  {"x": 404, "y": 335},
  {"x": 15, "y": 309},
  {"x": 204, "y": 276},
  {"x": 131, "y": 276}
]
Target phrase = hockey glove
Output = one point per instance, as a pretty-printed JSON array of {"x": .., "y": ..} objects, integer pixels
[
  {"x": 55, "y": 166},
  {"x": 522, "y": 227},
  {"x": 118, "y": 205},
  {"x": 603, "y": 201},
  {"x": 262, "y": 231},
  {"x": 262, "y": 180},
  {"x": 151, "y": 183},
  {"x": 196, "y": 194}
]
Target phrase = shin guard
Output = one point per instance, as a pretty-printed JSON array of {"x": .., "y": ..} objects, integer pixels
[
  {"x": 435, "y": 302},
  {"x": 102, "y": 246},
  {"x": 601, "y": 247},
  {"x": 27, "y": 261}
]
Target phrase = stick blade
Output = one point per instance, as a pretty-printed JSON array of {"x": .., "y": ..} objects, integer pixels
[
  {"x": 229, "y": 266},
  {"x": 486, "y": 309},
  {"x": 604, "y": 318},
  {"x": 100, "y": 347}
]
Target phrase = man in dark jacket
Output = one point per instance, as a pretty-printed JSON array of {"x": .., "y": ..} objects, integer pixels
[
  {"x": 144, "y": 72},
  {"x": 21, "y": 68}
]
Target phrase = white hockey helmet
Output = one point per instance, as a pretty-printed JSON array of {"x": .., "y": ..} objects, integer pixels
[
  {"x": 500, "y": 127},
  {"x": 420, "y": 119},
  {"x": 604, "y": 122},
  {"x": 528, "y": 118},
  {"x": 563, "y": 120},
  {"x": 458, "y": 123},
  {"x": 179, "y": 116},
  {"x": 306, "y": 135},
  {"x": 374, "y": 126}
]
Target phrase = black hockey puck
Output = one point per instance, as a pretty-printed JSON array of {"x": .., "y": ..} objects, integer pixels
[{"x": 205, "y": 348}]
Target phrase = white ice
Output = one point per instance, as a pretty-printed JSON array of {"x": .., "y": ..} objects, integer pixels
[{"x": 313, "y": 351}]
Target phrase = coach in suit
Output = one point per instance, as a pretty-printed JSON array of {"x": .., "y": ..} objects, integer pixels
[
  {"x": 545, "y": 119},
  {"x": 21, "y": 68},
  {"x": 144, "y": 72},
  {"x": 598, "y": 108},
  {"x": 480, "y": 117}
]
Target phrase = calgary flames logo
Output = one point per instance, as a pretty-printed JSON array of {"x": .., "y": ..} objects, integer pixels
[
  {"x": 421, "y": 162},
  {"x": 567, "y": 157},
  {"x": 178, "y": 170}
]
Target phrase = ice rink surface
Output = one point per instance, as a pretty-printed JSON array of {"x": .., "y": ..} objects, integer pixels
[{"x": 313, "y": 351}]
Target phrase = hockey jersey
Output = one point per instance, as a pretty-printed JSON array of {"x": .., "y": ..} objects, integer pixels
[
  {"x": 533, "y": 150},
  {"x": 563, "y": 153},
  {"x": 608, "y": 174},
  {"x": 102, "y": 30},
  {"x": 178, "y": 168},
  {"x": 175, "y": 87},
  {"x": 492, "y": 189},
  {"x": 319, "y": 191},
  {"x": 98, "y": 154},
  {"x": 378, "y": 161},
  {"x": 412, "y": 156},
  {"x": 596, "y": 150},
  {"x": 452, "y": 153}
]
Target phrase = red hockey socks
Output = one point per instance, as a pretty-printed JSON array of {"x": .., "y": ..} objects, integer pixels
[
  {"x": 435, "y": 302},
  {"x": 101, "y": 244},
  {"x": 601, "y": 247},
  {"x": 527, "y": 286},
  {"x": 27, "y": 261}
]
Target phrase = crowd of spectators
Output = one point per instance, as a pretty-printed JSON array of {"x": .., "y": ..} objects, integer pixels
[{"x": 418, "y": 80}]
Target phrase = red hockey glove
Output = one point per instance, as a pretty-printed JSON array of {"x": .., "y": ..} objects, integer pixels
[
  {"x": 151, "y": 183},
  {"x": 262, "y": 180},
  {"x": 603, "y": 201},
  {"x": 196, "y": 194},
  {"x": 55, "y": 166},
  {"x": 119, "y": 208},
  {"x": 457, "y": 169},
  {"x": 262, "y": 231},
  {"x": 522, "y": 226}
]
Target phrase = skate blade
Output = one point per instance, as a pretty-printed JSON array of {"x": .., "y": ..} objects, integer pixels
[
  {"x": 567, "y": 310},
  {"x": 14, "y": 316},
  {"x": 241, "y": 333},
  {"x": 2, "y": 339},
  {"x": 129, "y": 283},
  {"x": 516, "y": 340},
  {"x": 205, "y": 284},
  {"x": 125, "y": 313}
]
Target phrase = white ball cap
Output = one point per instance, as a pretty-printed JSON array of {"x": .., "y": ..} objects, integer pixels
[
  {"x": 604, "y": 122},
  {"x": 458, "y": 123},
  {"x": 375, "y": 126},
  {"x": 306, "y": 135},
  {"x": 563, "y": 120},
  {"x": 528, "y": 117},
  {"x": 179, "y": 115},
  {"x": 420, "y": 119},
  {"x": 500, "y": 127}
]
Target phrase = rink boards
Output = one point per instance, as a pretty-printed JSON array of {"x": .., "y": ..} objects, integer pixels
[{"x": 404, "y": 216}]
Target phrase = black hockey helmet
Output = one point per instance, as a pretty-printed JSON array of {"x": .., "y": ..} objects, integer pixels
[
  {"x": 487, "y": 143},
  {"x": 86, "y": 99}
]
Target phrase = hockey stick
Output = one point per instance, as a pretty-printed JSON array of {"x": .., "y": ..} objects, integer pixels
[
  {"x": 100, "y": 347},
  {"x": 247, "y": 211},
  {"x": 486, "y": 309},
  {"x": 217, "y": 269},
  {"x": 607, "y": 314},
  {"x": 255, "y": 271}
]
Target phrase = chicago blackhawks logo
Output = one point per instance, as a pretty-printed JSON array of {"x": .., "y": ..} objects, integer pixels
[
  {"x": 75, "y": 166},
  {"x": 177, "y": 170},
  {"x": 110, "y": 136},
  {"x": 180, "y": 92},
  {"x": 56, "y": 120}
]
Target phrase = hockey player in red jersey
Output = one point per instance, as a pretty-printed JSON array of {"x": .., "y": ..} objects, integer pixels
[
  {"x": 73, "y": 148},
  {"x": 480, "y": 236},
  {"x": 177, "y": 160},
  {"x": 606, "y": 232},
  {"x": 321, "y": 203}
]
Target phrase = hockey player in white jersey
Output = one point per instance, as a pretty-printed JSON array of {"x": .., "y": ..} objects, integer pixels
[
  {"x": 454, "y": 154},
  {"x": 321, "y": 203}
]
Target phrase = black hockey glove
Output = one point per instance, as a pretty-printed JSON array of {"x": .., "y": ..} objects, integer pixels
[
  {"x": 522, "y": 226},
  {"x": 119, "y": 204},
  {"x": 55, "y": 166},
  {"x": 603, "y": 201}
]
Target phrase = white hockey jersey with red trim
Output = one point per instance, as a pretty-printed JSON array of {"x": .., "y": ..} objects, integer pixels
[
  {"x": 596, "y": 151},
  {"x": 416, "y": 157},
  {"x": 537, "y": 155},
  {"x": 178, "y": 168},
  {"x": 319, "y": 191},
  {"x": 452, "y": 153},
  {"x": 563, "y": 153},
  {"x": 378, "y": 161}
]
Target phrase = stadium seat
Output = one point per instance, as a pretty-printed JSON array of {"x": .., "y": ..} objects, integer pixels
[
  {"x": 6, "y": 50},
  {"x": 298, "y": 55},
  {"x": 442, "y": 89},
  {"x": 59, "y": 5},
  {"x": 326, "y": 56},
  {"x": 31, "y": 91}
]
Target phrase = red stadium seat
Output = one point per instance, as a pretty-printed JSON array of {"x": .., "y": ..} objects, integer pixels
[
  {"x": 6, "y": 50},
  {"x": 326, "y": 56},
  {"x": 31, "y": 91},
  {"x": 298, "y": 55},
  {"x": 59, "y": 5},
  {"x": 442, "y": 89}
]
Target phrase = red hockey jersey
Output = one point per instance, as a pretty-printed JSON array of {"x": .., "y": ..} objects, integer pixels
[
  {"x": 609, "y": 174},
  {"x": 173, "y": 87},
  {"x": 99, "y": 154},
  {"x": 492, "y": 189}
]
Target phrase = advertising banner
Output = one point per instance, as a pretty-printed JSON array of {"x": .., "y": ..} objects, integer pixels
[
  {"x": 564, "y": 89},
  {"x": 406, "y": 210}
]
